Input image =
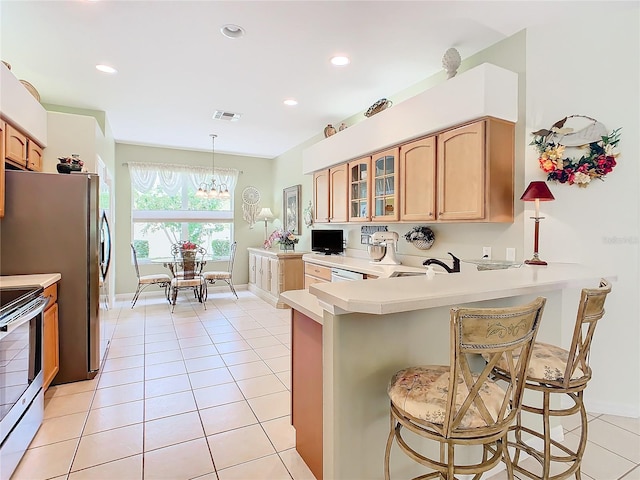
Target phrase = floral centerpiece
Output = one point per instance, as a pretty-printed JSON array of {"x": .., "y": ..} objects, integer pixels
[
  {"x": 285, "y": 238},
  {"x": 596, "y": 161},
  {"x": 186, "y": 249},
  {"x": 420, "y": 237}
]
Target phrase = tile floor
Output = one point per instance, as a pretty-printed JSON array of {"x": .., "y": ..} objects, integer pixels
[{"x": 205, "y": 395}]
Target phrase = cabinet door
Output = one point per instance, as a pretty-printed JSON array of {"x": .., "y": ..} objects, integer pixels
[
  {"x": 418, "y": 180},
  {"x": 338, "y": 199},
  {"x": 2, "y": 188},
  {"x": 385, "y": 186},
  {"x": 51, "y": 357},
  {"x": 461, "y": 173},
  {"x": 321, "y": 196},
  {"x": 265, "y": 273},
  {"x": 15, "y": 144},
  {"x": 359, "y": 190},
  {"x": 274, "y": 269},
  {"x": 252, "y": 268},
  {"x": 34, "y": 157}
]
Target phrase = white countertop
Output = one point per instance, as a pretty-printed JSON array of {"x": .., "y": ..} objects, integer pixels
[
  {"x": 42, "y": 279},
  {"x": 392, "y": 295},
  {"x": 361, "y": 265}
]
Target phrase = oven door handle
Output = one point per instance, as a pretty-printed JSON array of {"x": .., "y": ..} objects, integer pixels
[{"x": 33, "y": 309}]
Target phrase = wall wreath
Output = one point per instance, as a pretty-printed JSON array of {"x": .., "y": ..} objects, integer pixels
[{"x": 597, "y": 151}]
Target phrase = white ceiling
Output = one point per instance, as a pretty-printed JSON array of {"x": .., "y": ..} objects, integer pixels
[{"x": 175, "y": 68}]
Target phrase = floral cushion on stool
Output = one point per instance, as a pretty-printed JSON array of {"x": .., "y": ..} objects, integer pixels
[
  {"x": 548, "y": 362},
  {"x": 422, "y": 392}
]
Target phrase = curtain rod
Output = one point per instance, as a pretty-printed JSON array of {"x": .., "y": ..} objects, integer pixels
[{"x": 125, "y": 164}]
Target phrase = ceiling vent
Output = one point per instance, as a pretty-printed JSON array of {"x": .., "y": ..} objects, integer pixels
[{"x": 228, "y": 116}]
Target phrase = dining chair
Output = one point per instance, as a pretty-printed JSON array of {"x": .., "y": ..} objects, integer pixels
[
  {"x": 187, "y": 276},
  {"x": 161, "y": 279},
  {"x": 212, "y": 277},
  {"x": 554, "y": 370},
  {"x": 455, "y": 405}
]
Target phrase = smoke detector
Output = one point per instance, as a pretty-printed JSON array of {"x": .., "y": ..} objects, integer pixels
[{"x": 229, "y": 116}]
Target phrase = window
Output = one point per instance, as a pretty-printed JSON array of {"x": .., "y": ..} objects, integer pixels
[{"x": 165, "y": 209}]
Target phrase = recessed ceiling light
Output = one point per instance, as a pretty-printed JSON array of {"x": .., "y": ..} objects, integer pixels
[
  {"x": 290, "y": 102},
  {"x": 340, "y": 61},
  {"x": 106, "y": 68},
  {"x": 232, "y": 31}
]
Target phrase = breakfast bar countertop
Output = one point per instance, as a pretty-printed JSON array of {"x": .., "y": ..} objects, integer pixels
[
  {"x": 361, "y": 265},
  {"x": 42, "y": 279}
]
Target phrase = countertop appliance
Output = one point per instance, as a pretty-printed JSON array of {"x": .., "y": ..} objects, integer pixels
[
  {"x": 21, "y": 376},
  {"x": 51, "y": 224},
  {"x": 340, "y": 275},
  {"x": 390, "y": 241}
]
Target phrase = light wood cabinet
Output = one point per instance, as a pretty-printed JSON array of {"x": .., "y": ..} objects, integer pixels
[
  {"x": 359, "y": 172},
  {"x": 274, "y": 273},
  {"x": 384, "y": 186},
  {"x": 15, "y": 147},
  {"x": 330, "y": 195},
  {"x": 314, "y": 273},
  {"x": 2, "y": 184},
  {"x": 418, "y": 180},
  {"x": 34, "y": 156},
  {"x": 475, "y": 172},
  {"x": 51, "y": 349}
]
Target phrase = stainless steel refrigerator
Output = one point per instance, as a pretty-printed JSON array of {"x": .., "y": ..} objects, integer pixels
[{"x": 51, "y": 224}]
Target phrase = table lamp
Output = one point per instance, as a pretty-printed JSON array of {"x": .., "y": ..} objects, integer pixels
[
  {"x": 537, "y": 192},
  {"x": 266, "y": 215}
]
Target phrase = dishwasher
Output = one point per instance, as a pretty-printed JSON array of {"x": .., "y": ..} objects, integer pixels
[{"x": 340, "y": 275}]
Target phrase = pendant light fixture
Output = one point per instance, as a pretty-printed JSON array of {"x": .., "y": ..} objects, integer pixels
[{"x": 211, "y": 190}]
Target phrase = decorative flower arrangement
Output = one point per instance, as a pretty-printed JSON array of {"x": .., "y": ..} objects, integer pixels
[
  {"x": 420, "y": 237},
  {"x": 283, "y": 237},
  {"x": 597, "y": 161},
  {"x": 187, "y": 245}
]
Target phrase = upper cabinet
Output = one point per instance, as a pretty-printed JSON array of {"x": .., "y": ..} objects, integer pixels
[
  {"x": 360, "y": 190},
  {"x": 475, "y": 165},
  {"x": 34, "y": 156},
  {"x": 15, "y": 147},
  {"x": 418, "y": 180},
  {"x": 385, "y": 186},
  {"x": 330, "y": 195}
]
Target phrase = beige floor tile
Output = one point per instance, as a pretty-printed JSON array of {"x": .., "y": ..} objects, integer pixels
[
  {"x": 182, "y": 461},
  {"x": 189, "y": 331},
  {"x": 115, "y": 416},
  {"x": 219, "y": 330},
  {"x": 182, "y": 320},
  {"x": 157, "y": 329},
  {"x": 239, "y": 446},
  {"x": 162, "y": 370},
  {"x": 159, "y": 338},
  {"x": 229, "y": 336},
  {"x": 204, "y": 363},
  {"x": 47, "y": 461},
  {"x": 195, "y": 342},
  {"x": 279, "y": 364},
  {"x": 106, "y": 397},
  {"x": 125, "y": 351},
  {"x": 67, "y": 404},
  {"x": 616, "y": 439},
  {"x": 285, "y": 339},
  {"x": 162, "y": 357},
  {"x": 245, "y": 323},
  {"x": 166, "y": 386},
  {"x": 572, "y": 422},
  {"x": 628, "y": 423},
  {"x": 255, "y": 333},
  {"x": 172, "y": 430},
  {"x": 296, "y": 466},
  {"x": 258, "y": 386},
  {"x": 208, "y": 378},
  {"x": 230, "y": 347},
  {"x": 273, "y": 352},
  {"x": 217, "y": 395},
  {"x": 600, "y": 463},
  {"x": 129, "y": 330},
  {"x": 199, "y": 351},
  {"x": 167, "y": 405},
  {"x": 271, "y": 406},
  {"x": 285, "y": 378},
  {"x": 249, "y": 370},
  {"x": 59, "y": 429},
  {"x": 129, "y": 468},
  {"x": 121, "y": 377},
  {"x": 267, "y": 468},
  {"x": 227, "y": 417},
  {"x": 281, "y": 433},
  {"x": 71, "y": 388},
  {"x": 107, "y": 446},
  {"x": 279, "y": 330},
  {"x": 237, "y": 358},
  {"x": 162, "y": 346},
  {"x": 260, "y": 342},
  {"x": 633, "y": 474},
  {"x": 123, "y": 342},
  {"x": 122, "y": 363}
]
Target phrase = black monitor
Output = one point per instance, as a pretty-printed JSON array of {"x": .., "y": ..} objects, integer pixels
[{"x": 327, "y": 241}]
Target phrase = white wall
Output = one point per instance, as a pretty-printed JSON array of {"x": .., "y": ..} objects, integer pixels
[{"x": 591, "y": 67}]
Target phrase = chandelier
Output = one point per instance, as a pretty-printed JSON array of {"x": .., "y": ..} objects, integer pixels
[{"x": 212, "y": 190}]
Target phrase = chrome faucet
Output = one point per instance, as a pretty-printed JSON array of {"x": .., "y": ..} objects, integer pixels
[{"x": 435, "y": 261}]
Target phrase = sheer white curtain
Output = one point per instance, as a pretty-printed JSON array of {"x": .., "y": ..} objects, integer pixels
[{"x": 171, "y": 177}]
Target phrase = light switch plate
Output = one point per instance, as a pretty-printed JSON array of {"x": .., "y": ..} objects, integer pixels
[
  {"x": 511, "y": 254},
  {"x": 486, "y": 253}
]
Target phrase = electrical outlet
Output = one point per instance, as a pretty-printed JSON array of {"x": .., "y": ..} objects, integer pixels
[
  {"x": 511, "y": 255},
  {"x": 486, "y": 253}
]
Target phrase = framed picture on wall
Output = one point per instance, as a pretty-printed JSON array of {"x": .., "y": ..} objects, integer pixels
[{"x": 291, "y": 209}]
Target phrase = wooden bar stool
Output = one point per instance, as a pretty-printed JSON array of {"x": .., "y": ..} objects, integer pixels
[
  {"x": 553, "y": 370},
  {"x": 455, "y": 406}
]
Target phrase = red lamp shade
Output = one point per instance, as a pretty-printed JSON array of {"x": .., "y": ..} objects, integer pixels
[{"x": 537, "y": 191}]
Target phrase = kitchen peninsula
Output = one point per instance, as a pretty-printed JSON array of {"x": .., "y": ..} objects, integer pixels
[{"x": 349, "y": 338}]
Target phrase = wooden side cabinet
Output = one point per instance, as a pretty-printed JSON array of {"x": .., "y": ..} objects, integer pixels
[
  {"x": 51, "y": 349},
  {"x": 418, "y": 180},
  {"x": 273, "y": 272}
]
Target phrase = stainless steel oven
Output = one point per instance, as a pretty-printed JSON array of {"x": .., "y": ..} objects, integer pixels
[{"x": 21, "y": 395}]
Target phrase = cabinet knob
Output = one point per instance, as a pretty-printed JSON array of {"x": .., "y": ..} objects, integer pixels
[
  {"x": 430, "y": 214},
  {"x": 440, "y": 213}
]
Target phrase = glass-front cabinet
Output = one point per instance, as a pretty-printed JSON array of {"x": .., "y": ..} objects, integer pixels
[
  {"x": 385, "y": 185},
  {"x": 359, "y": 190}
]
